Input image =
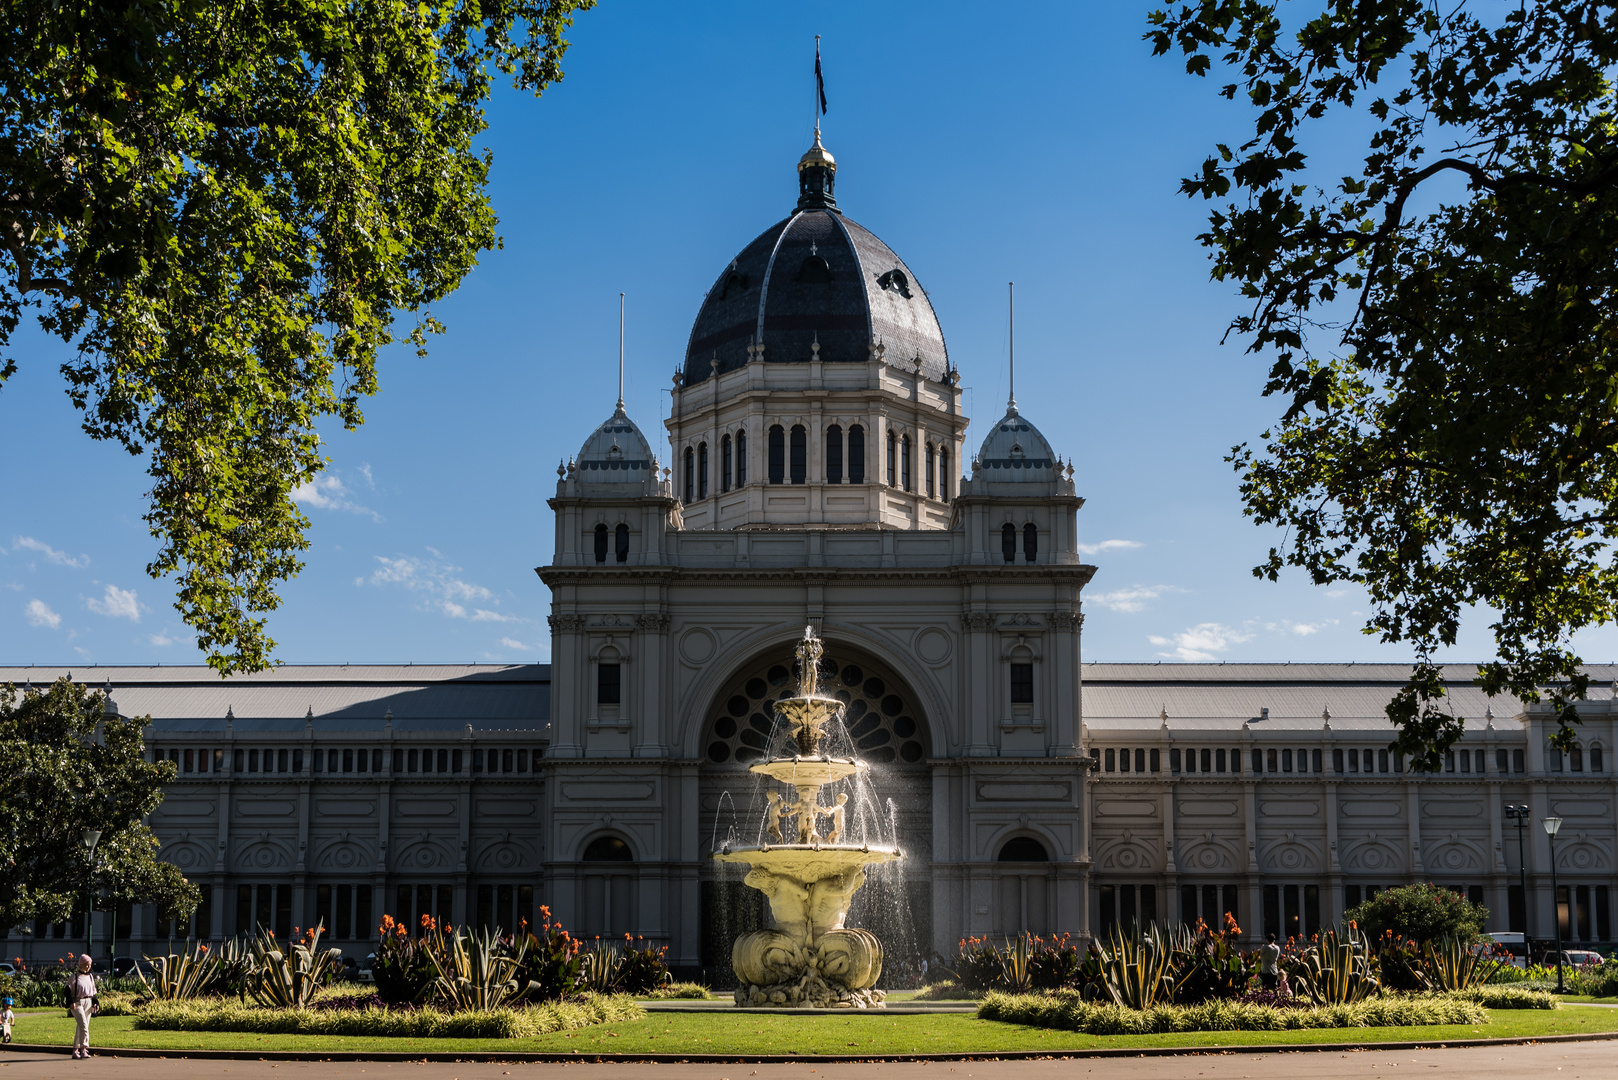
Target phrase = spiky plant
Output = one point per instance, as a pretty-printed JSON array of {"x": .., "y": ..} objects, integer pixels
[{"x": 181, "y": 976}]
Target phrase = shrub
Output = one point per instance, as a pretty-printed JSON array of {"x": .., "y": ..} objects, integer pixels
[
  {"x": 1209, "y": 964},
  {"x": 642, "y": 970},
  {"x": 977, "y": 966},
  {"x": 286, "y": 976},
  {"x": 679, "y": 990},
  {"x": 551, "y": 969},
  {"x": 119, "y": 1003},
  {"x": 1597, "y": 981},
  {"x": 1336, "y": 969},
  {"x": 598, "y": 966},
  {"x": 181, "y": 976},
  {"x": 1422, "y": 912},
  {"x": 476, "y": 972},
  {"x": 386, "y": 1022},
  {"x": 1056, "y": 964},
  {"x": 1137, "y": 969},
  {"x": 1453, "y": 965},
  {"x": 1068, "y": 1011},
  {"x": 403, "y": 969},
  {"x": 947, "y": 990},
  {"x": 1508, "y": 997}
]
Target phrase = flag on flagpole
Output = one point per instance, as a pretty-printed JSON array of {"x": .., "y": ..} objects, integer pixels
[{"x": 820, "y": 82}]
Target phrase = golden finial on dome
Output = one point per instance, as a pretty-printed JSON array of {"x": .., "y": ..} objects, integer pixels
[{"x": 817, "y": 155}]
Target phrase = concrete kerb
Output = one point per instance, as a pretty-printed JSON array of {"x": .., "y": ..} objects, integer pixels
[{"x": 825, "y": 1059}]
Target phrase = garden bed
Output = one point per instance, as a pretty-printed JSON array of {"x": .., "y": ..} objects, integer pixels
[
  {"x": 1067, "y": 1011},
  {"x": 425, "y": 1023}
]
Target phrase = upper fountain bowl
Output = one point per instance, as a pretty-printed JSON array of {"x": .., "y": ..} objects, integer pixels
[{"x": 806, "y": 772}]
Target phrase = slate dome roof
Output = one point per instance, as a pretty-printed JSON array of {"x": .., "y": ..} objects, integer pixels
[
  {"x": 1015, "y": 452},
  {"x": 815, "y": 276},
  {"x": 615, "y": 453}
]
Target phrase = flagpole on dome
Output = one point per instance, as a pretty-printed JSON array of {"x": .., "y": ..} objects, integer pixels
[
  {"x": 820, "y": 91},
  {"x": 1011, "y": 336},
  {"x": 620, "y": 352}
]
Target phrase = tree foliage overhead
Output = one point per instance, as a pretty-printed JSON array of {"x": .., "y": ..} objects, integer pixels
[
  {"x": 1442, "y": 322},
  {"x": 67, "y": 764},
  {"x": 222, "y": 207}
]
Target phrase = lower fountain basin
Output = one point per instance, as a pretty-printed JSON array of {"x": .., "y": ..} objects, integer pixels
[{"x": 809, "y": 772}]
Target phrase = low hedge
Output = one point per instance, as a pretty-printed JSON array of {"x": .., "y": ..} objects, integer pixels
[
  {"x": 388, "y": 1023},
  {"x": 1508, "y": 997},
  {"x": 1066, "y": 1011},
  {"x": 677, "y": 991},
  {"x": 947, "y": 990}
]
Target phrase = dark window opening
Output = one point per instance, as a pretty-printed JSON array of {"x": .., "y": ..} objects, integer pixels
[
  {"x": 690, "y": 485},
  {"x": 724, "y": 463},
  {"x": 778, "y": 455},
  {"x": 1008, "y": 542},
  {"x": 1024, "y": 849},
  {"x": 856, "y": 454},
  {"x": 895, "y": 281},
  {"x": 932, "y": 463},
  {"x": 893, "y": 460},
  {"x": 609, "y": 684},
  {"x": 607, "y": 849},
  {"x": 622, "y": 542},
  {"x": 702, "y": 470},
  {"x": 904, "y": 464},
  {"x": 834, "y": 455},
  {"x": 814, "y": 271},
  {"x": 800, "y": 454},
  {"x": 943, "y": 473},
  {"x": 1022, "y": 684},
  {"x": 601, "y": 543},
  {"x": 1030, "y": 542},
  {"x": 741, "y": 458}
]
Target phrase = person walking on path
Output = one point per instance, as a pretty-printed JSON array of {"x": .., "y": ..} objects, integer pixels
[
  {"x": 81, "y": 1003},
  {"x": 1269, "y": 971}
]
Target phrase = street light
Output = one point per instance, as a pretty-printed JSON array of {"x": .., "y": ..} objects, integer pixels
[
  {"x": 91, "y": 838},
  {"x": 1552, "y": 826},
  {"x": 1518, "y": 813}
]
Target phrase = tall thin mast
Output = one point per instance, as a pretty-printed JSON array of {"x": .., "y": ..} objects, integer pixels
[
  {"x": 1011, "y": 316},
  {"x": 620, "y": 352}
]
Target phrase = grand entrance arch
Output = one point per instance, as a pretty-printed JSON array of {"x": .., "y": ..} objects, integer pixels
[{"x": 885, "y": 726}]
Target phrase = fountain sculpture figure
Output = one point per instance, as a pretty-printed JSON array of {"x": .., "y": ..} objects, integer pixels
[{"x": 809, "y": 959}]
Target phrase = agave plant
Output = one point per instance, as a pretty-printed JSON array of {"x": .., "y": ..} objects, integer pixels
[
  {"x": 287, "y": 977},
  {"x": 1138, "y": 968},
  {"x": 600, "y": 966},
  {"x": 180, "y": 976},
  {"x": 1337, "y": 969},
  {"x": 1016, "y": 963},
  {"x": 477, "y": 971},
  {"x": 1452, "y": 964}
]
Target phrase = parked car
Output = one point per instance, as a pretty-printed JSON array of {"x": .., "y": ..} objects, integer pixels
[
  {"x": 123, "y": 966},
  {"x": 1512, "y": 942},
  {"x": 7, "y": 968},
  {"x": 1573, "y": 958}
]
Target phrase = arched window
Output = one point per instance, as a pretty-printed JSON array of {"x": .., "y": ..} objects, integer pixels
[
  {"x": 893, "y": 460},
  {"x": 800, "y": 454},
  {"x": 741, "y": 458},
  {"x": 724, "y": 463},
  {"x": 834, "y": 454},
  {"x": 1024, "y": 849},
  {"x": 607, "y": 849},
  {"x": 601, "y": 543},
  {"x": 856, "y": 454},
  {"x": 943, "y": 473},
  {"x": 1030, "y": 542},
  {"x": 690, "y": 475},
  {"x": 904, "y": 463},
  {"x": 702, "y": 470},
  {"x": 778, "y": 455},
  {"x": 623, "y": 542},
  {"x": 1008, "y": 541},
  {"x": 932, "y": 460}
]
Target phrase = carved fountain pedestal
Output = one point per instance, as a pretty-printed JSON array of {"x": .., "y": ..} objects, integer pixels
[{"x": 809, "y": 959}]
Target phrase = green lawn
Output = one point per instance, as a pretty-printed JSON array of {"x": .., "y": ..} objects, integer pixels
[{"x": 752, "y": 1034}]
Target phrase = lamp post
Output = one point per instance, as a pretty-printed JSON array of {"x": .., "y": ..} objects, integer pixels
[
  {"x": 1518, "y": 813},
  {"x": 1552, "y": 825},
  {"x": 91, "y": 838}
]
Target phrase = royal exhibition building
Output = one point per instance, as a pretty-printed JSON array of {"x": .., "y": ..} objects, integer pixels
[{"x": 819, "y": 472}]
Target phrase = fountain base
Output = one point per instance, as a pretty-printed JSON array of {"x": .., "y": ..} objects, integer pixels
[{"x": 809, "y": 992}]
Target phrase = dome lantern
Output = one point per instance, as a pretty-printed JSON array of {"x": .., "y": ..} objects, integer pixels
[{"x": 817, "y": 178}]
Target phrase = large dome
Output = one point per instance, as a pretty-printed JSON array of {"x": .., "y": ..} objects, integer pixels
[{"x": 815, "y": 276}]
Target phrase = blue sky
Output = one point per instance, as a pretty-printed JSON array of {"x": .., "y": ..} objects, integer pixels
[{"x": 1039, "y": 143}]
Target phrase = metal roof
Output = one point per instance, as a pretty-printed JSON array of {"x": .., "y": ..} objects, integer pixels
[{"x": 421, "y": 697}]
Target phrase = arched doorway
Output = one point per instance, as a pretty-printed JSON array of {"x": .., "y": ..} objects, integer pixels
[
  {"x": 607, "y": 888},
  {"x": 1023, "y": 891},
  {"x": 884, "y": 726}
]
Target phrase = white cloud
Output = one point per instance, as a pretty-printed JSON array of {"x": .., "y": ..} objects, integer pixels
[
  {"x": 160, "y": 639},
  {"x": 1201, "y": 642},
  {"x": 116, "y": 603},
  {"x": 443, "y": 589},
  {"x": 1108, "y": 545},
  {"x": 513, "y": 643},
  {"x": 1302, "y": 629},
  {"x": 1132, "y": 599},
  {"x": 40, "y": 614},
  {"x": 328, "y": 492},
  {"x": 365, "y": 471},
  {"x": 60, "y": 558}
]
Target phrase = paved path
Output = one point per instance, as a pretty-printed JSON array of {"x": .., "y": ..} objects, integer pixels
[{"x": 1546, "y": 1061}]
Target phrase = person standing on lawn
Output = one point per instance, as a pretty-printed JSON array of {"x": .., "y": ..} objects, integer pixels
[
  {"x": 1269, "y": 971},
  {"x": 81, "y": 1003}
]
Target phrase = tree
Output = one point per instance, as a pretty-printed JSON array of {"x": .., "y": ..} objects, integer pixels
[
  {"x": 67, "y": 763},
  {"x": 1441, "y": 324},
  {"x": 222, "y": 208},
  {"x": 1422, "y": 912}
]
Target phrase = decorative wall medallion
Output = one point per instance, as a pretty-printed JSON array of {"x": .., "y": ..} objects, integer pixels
[
  {"x": 933, "y": 645},
  {"x": 698, "y": 645},
  {"x": 1021, "y": 618}
]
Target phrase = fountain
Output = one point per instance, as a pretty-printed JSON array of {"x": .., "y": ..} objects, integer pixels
[{"x": 810, "y": 959}]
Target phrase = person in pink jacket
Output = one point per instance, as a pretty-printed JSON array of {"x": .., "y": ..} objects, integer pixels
[{"x": 81, "y": 1002}]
